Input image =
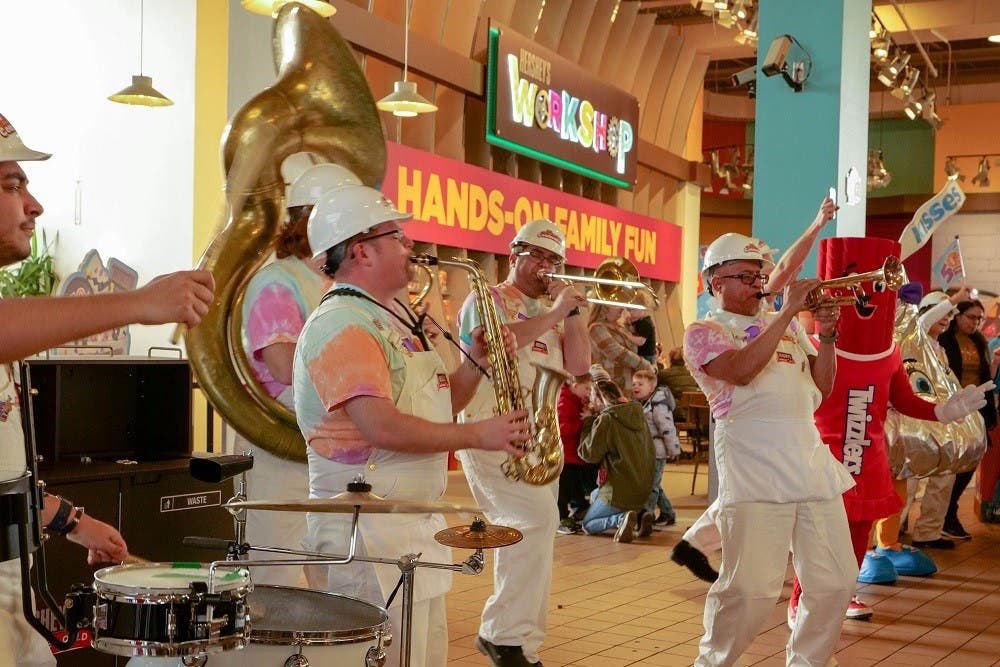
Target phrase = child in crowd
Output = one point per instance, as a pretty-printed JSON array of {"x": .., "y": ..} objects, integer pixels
[
  {"x": 578, "y": 478},
  {"x": 617, "y": 439},
  {"x": 658, "y": 405}
]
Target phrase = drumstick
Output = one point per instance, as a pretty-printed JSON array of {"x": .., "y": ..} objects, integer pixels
[{"x": 132, "y": 559}]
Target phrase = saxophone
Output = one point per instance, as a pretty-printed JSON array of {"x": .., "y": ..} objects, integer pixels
[{"x": 543, "y": 458}]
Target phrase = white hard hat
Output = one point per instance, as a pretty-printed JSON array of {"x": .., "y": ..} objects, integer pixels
[
  {"x": 932, "y": 299},
  {"x": 542, "y": 233},
  {"x": 12, "y": 149},
  {"x": 316, "y": 180},
  {"x": 732, "y": 247},
  {"x": 347, "y": 211}
]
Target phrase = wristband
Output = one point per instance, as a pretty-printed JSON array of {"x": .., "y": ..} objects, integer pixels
[
  {"x": 73, "y": 522},
  {"x": 58, "y": 523},
  {"x": 829, "y": 339},
  {"x": 574, "y": 312}
]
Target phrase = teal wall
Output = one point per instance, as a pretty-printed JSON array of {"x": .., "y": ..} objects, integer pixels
[{"x": 908, "y": 151}]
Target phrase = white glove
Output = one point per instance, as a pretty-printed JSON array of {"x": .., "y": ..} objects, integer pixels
[{"x": 963, "y": 403}]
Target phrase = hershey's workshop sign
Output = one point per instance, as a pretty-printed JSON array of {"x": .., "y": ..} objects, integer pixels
[{"x": 541, "y": 105}]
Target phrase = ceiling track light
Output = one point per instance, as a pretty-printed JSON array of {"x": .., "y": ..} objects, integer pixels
[
  {"x": 952, "y": 171},
  {"x": 982, "y": 177}
]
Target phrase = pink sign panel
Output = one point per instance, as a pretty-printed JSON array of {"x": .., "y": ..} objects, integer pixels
[{"x": 463, "y": 206}]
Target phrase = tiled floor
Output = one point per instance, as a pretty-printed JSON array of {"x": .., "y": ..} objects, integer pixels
[{"x": 628, "y": 604}]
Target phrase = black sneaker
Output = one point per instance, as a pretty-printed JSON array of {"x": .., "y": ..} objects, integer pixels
[
  {"x": 939, "y": 543},
  {"x": 568, "y": 527},
  {"x": 645, "y": 525},
  {"x": 663, "y": 521},
  {"x": 694, "y": 560},
  {"x": 955, "y": 532},
  {"x": 504, "y": 656}
]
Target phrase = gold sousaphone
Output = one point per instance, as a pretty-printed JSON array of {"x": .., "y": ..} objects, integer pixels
[{"x": 321, "y": 104}]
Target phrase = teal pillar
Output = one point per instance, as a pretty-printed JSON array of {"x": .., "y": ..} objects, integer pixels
[{"x": 807, "y": 142}]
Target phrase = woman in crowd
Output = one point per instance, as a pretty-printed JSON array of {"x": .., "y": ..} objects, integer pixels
[
  {"x": 612, "y": 346},
  {"x": 966, "y": 349}
]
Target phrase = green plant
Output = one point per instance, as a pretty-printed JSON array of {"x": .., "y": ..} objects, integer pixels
[{"x": 34, "y": 276}]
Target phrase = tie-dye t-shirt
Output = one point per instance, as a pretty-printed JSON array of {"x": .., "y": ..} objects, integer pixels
[
  {"x": 349, "y": 347},
  {"x": 278, "y": 300},
  {"x": 719, "y": 332}
]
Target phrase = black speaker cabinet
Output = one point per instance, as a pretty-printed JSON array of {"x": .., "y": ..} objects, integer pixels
[{"x": 110, "y": 408}]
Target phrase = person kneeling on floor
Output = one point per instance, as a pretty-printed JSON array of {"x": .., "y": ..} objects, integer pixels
[{"x": 617, "y": 439}]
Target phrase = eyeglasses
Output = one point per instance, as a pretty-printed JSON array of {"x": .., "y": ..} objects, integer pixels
[
  {"x": 748, "y": 278},
  {"x": 975, "y": 318},
  {"x": 398, "y": 233},
  {"x": 540, "y": 257}
]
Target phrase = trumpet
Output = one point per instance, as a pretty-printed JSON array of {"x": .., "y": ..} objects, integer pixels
[
  {"x": 891, "y": 273},
  {"x": 617, "y": 284}
]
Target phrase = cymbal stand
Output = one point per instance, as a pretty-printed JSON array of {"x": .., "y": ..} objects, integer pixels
[{"x": 239, "y": 520}]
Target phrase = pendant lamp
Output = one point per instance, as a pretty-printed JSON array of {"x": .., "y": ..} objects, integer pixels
[
  {"x": 271, "y": 7},
  {"x": 141, "y": 92},
  {"x": 404, "y": 100}
]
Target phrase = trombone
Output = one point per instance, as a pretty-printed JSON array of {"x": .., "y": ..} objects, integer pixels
[{"x": 616, "y": 283}]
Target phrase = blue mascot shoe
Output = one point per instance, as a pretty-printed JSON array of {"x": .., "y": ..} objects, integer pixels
[
  {"x": 909, "y": 562},
  {"x": 877, "y": 569}
]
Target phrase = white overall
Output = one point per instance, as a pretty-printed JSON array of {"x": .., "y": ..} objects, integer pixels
[
  {"x": 778, "y": 485},
  {"x": 515, "y": 614},
  {"x": 20, "y": 644},
  {"x": 402, "y": 475}
]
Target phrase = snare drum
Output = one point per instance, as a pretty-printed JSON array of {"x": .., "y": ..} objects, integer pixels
[
  {"x": 166, "y": 609},
  {"x": 298, "y": 627}
]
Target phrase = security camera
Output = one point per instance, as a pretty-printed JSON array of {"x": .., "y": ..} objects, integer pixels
[
  {"x": 744, "y": 76},
  {"x": 777, "y": 54}
]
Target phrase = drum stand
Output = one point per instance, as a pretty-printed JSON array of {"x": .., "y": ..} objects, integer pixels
[{"x": 407, "y": 564}]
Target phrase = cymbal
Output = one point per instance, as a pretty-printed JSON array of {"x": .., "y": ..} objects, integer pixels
[
  {"x": 345, "y": 503},
  {"x": 478, "y": 536}
]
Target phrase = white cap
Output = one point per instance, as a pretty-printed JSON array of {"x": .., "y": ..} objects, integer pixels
[
  {"x": 345, "y": 212},
  {"x": 543, "y": 234},
  {"x": 732, "y": 247},
  {"x": 316, "y": 180},
  {"x": 12, "y": 149},
  {"x": 932, "y": 299}
]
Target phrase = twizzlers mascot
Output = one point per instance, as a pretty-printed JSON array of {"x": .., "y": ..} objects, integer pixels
[{"x": 870, "y": 375}]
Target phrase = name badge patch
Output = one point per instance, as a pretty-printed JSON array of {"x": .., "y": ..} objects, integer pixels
[
  {"x": 443, "y": 381},
  {"x": 785, "y": 358},
  {"x": 540, "y": 347}
]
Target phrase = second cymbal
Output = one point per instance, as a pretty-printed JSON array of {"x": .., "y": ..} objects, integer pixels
[
  {"x": 478, "y": 536},
  {"x": 347, "y": 502}
]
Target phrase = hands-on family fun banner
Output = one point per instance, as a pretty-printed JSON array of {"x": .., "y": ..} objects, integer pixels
[
  {"x": 929, "y": 217},
  {"x": 460, "y": 205}
]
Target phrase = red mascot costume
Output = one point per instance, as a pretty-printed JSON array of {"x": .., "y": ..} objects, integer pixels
[{"x": 870, "y": 375}]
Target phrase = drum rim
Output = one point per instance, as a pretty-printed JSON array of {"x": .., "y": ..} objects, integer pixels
[
  {"x": 157, "y": 594},
  {"x": 140, "y": 648}
]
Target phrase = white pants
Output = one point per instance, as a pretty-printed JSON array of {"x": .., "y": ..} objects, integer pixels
[
  {"x": 515, "y": 615},
  {"x": 754, "y": 537},
  {"x": 937, "y": 495},
  {"x": 274, "y": 478},
  {"x": 20, "y": 644},
  {"x": 703, "y": 534}
]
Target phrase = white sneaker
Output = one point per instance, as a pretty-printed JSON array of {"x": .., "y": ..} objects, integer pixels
[
  {"x": 858, "y": 610},
  {"x": 626, "y": 529}
]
